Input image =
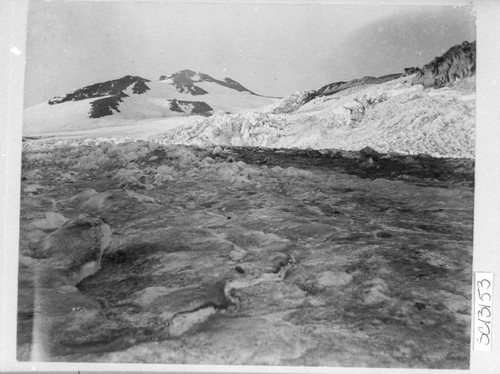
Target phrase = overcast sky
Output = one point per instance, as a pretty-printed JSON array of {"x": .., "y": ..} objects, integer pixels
[{"x": 271, "y": 49}]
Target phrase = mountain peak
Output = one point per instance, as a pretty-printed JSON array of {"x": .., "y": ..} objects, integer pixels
[
  {"x": 135, "y": 97},
  {"x": 185, "y": 82}
]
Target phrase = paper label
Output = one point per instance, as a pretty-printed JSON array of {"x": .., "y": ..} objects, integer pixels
[{"x": 483, "y": 311}]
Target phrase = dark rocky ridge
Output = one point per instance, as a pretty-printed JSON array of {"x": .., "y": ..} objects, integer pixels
[
  {"x": 184, "y": 82},
  {"x": 333, "y": 88},
  {"x": 410, "y": 71},
  {"x": 227, "y": 82},
  {"x": 112, "y": 87},
  {"x": 140, "y": 87},
  {"x": 457, "y": 63}
]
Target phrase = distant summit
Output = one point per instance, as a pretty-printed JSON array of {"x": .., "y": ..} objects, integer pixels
[
  {"x": 110, "y": 94},
  {"x": 185, "y": 80}
]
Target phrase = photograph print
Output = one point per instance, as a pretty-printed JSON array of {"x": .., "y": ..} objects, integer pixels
[{"x": 247, "y": 184}]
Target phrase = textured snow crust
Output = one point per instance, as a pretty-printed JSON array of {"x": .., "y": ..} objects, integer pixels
[
  {"x": 391, "y": 117},
  {"x": 211, "y": 256},
  {"x": 80, "y": 155}
]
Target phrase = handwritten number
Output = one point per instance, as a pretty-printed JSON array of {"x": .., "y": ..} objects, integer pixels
[
  {"x": 484, "y": 313},
  {"x": 480, "y": 312},
  {"x": 484, "y": 336},
  {"x": 481, "y": 283},
  {"x": 484, "y": 294}
]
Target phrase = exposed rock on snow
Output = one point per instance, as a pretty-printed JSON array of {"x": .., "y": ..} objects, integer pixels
[
  {"x": 458, "y": 62},
  {"x": 190, "y": 107},
  {"x": 106, "y": 106},
  {"x": 109, "y": 88},
  {"x": 188, "y": 81},
  {"x": 333, "y": 88},
  {"x": 411, "y": 71}
]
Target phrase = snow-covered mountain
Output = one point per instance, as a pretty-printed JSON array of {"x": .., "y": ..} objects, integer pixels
[
  {"x": 134, "y": 98},
  {"x": 421, "y": 110},
  {"x": 428, "y": 110}
]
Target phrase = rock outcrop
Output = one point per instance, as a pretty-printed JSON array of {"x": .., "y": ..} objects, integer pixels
[
  {"x": 184, "y": 81},
  {"x": 105, "y": 106},
  {"x": 410, "y": 71},
  {"x": 457, "y": 63},
  {"x": 333, "y": 88},
  {"x": 113, "y": 87},
  {"x": 190, "y": 107}
]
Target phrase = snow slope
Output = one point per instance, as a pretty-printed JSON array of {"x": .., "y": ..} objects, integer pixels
[
  {"x": 44, "y": 118},
  {"x": 394, "y": 116}
]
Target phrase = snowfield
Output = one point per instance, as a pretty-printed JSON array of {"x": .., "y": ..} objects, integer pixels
[
  {"x": 390, "y": 117},
  {"x": 116, "y": 128}
]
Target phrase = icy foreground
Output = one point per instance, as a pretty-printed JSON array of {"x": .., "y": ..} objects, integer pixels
[
  {"x": 395, "y": 116},
  {"x": 138, "y": 252}
]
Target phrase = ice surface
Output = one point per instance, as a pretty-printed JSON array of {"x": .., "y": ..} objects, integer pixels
[{"x": 206, "y": 256}]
